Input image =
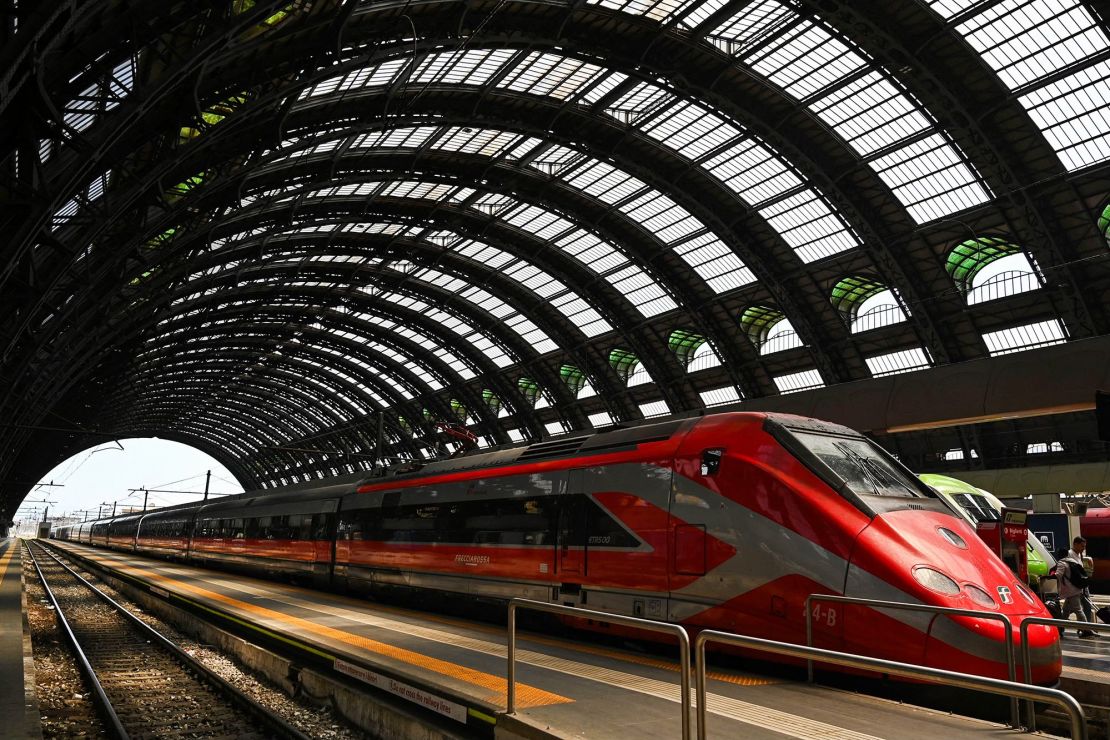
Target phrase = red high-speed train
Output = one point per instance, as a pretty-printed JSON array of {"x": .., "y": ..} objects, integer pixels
[
  {"x": 1095, "y": 526},
  {"x": 726, "y": 521}
]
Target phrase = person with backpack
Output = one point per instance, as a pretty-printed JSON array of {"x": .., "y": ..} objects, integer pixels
[
  {"x": 1072, "y": 579},
  {"x": 1078, "y": 552}
]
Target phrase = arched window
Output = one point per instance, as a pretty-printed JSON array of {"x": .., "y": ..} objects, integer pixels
[
  {"x": 530, "y": 389},
  {"x": 989, "y": 267},
  {"x": 684, "y": 344},
  {"x": 574, "y": 378},
  {"x": 692, "y": 350},
  {"x": 866, "y": 303},
  {"x": 493, "y": 402},
  {"x": 624, "y": 363},
  {"x": 769, "y": 329},
  {"x": 1104, "y": 223},
  {"x": 460, "y": 411}
]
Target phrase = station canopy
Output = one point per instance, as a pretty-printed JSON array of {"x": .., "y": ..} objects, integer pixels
[{"x": 272, "y": 229}]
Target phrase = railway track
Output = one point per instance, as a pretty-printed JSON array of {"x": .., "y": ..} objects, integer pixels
[{"x": 143, "y": 684}]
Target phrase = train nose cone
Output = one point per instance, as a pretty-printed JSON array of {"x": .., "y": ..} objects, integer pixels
[{"x": 907, "y": 556}]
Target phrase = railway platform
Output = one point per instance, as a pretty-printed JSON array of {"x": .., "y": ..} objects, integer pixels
[
  {"x": 19, "y": 710},
  {"x": 456, "y": 668}
]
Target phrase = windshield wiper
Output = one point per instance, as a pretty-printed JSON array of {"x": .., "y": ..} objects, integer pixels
[{"x": 860, "y": 463}]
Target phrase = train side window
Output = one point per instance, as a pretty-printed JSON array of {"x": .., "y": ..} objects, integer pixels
[{"x": 711, "y": 460}]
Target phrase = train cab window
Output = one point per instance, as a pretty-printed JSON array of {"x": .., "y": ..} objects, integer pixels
[
  {"x": 978, "y": 507},
  {"x": 859, "y": 464},
  {"x": 711, "y": 460}
]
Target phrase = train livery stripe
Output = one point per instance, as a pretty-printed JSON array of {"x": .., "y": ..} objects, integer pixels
[{"x": 527, "y": 696}]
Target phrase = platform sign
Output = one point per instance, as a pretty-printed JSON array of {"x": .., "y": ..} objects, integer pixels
[
  {"x": 1051, "y": 530},
  {"x": 425, "y": 699}
]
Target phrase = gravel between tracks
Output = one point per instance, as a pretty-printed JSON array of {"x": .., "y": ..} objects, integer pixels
[
  {"x": 64, "y": 705},
  {"x": 314, "y": 721}
]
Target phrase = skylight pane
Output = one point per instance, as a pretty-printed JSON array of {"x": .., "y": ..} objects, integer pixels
[
  {"x": 655, "y": 408},
  {"x": 551, "y": 75},
  {"x": 711, "y": 258},
  {"x": 866, "y": 108},
  {"x": 1074, "y": 115},
  {"x": 555, "y": 428},
  {"x": 1023, "y": 337},
  {"x": 897, "y": 362},
  {"x": 802, "y": 381},
  {"x": 601, "y": 419},
  {"x": 930, "y": 179},
  {"x": 1028, "y": 43},
  {"x": 720, "y": 396},
  {"x": 809, "y": 226}
]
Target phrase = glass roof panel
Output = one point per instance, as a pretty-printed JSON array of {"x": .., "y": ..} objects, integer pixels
[
  {"x": 469, "y": 67},
  {"x": 805, "y": 59},
  {"x": 581, "y": 314},
  {"x": 802, "y": 381},
  {"x": 552, "y": 76},
  {"x": 1074, "y": 115},
  {"x": 497, "y": 307},
  {"x": 870, "y": 113},
  {"x": 717, "y": 264},
  {"x": 691, "y": 130},
  {"x": 1052, "y": 54},
  {"x": 929, "y": 178},
  {"x": 897, "y": 362},
  {"x": 809, "y": 226},
  {"x": 720, "y": 396},
  {"x": 1027, "y": 336},
  {"x": 752, "y": 25},
  {"x": 654, "y": 9},
  {"x": 848, "y": 91}
]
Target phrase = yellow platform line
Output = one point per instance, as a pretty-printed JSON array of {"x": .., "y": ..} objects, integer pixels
[
  {"x": 527, "y": 696},
  {"x": 737, "y": 679},
  {"x": 7, "y": 559}
]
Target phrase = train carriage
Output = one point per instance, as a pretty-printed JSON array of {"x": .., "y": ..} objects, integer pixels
[{"x": 726, "y": 521}]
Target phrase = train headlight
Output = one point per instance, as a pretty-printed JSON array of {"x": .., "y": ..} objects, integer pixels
[
  {"x": 952, "y": 537},
  {"x": 1025, "y": 593},
  {"x": 934, "y": 580},
  {"x": 979, "y": 596}
]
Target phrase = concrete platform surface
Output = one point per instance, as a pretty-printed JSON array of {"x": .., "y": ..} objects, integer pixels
[
  {"x": 565, "y": 688},
  {"x": 19, "y": 710}
]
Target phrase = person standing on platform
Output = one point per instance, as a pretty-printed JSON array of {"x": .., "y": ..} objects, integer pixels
[
  {"x": 1078, "y": 553},
  {"x": 1071, "y": 596}
]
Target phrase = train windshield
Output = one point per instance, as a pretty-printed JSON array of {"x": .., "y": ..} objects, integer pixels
[
  {"x": 978, "y": 507},
  {"x": 861, "y": 465}
]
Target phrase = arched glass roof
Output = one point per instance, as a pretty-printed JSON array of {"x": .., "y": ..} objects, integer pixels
[{"x": 265, "y": 227}]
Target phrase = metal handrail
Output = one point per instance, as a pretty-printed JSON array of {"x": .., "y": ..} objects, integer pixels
[
  {"x": 878, "y": 665},
  {"x": 644, "y": 624},
  {"x": 1025, "y": 659},
  {"x": 1015, "y": 717}
]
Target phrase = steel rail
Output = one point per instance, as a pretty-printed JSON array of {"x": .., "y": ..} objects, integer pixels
[
  {"x": 244, "y": 702},
  {"x": 907, "y": 670},
  {"x": 1011, "y": 661},
  {"x": 103, "y": 703},
  {"x": 1025, "y": 658},
  {"x": 573, "y": 611}
]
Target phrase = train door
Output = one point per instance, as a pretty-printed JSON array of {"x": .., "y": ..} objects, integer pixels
[
  {"x": 323, "y": 540},
  {"x": 571, "y": 532}
]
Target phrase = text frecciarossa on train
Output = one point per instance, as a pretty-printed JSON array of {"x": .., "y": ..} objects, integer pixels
[{"x": 727, "y": 521}]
